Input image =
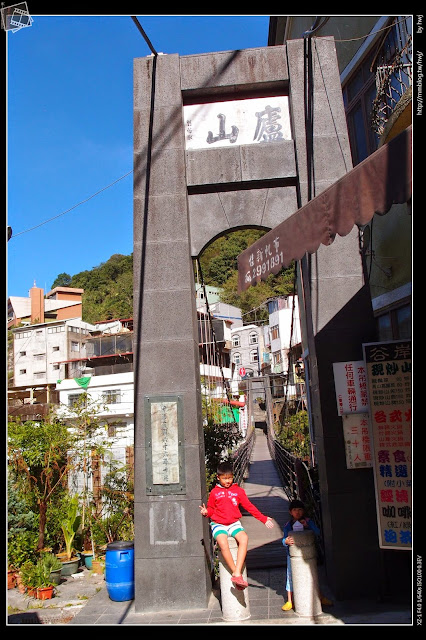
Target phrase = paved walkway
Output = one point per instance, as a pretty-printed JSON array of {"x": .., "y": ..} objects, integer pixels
[
  {"x": 265, "y": 572},
  {"x": 263, "y": 488}
]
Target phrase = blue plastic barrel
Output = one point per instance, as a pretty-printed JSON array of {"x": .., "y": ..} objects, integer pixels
[{"x": 120, "y": 570}]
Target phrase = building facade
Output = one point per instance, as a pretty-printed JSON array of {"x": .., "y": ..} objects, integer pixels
[
  {"x": 60, "y": 303},
  {"x": 248, "y": 348},
  {"x": 374, "y": 56},
  {"x": 40, "y": 349},
  {"x": 376, "y": 79}
]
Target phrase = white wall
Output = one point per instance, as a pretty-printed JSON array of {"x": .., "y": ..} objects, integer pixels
[
  {"x": 39, "y": 348},
  {"x": 122, "y": 412}
]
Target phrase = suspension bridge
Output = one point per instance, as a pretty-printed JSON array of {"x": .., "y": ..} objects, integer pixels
[{"x": 264, "y": 490}]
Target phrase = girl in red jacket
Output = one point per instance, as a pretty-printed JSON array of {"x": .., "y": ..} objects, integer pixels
[{"x": 222, "y": 509}]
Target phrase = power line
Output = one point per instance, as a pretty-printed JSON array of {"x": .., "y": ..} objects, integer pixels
[
  {"x": 73, "y": 207},
  {"x": 10, "y": 235},
  {"x": 372, "y": 33},
  {"x": 147, "y": 40}
]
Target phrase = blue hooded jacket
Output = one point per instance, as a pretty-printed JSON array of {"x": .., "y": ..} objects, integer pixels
[{"x": 310, "y": 524}]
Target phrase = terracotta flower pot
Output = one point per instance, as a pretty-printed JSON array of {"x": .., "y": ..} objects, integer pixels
[
  {"x": 11, "y": 579},
  {"x": 32, "y": 592},
  {"x": 21, "y": 587},
  {"x": 97, "y": 566},
  {"x": 45, "y": 593}
]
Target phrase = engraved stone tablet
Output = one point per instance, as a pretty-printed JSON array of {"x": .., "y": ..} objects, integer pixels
[{"x": 165, "y": 449}]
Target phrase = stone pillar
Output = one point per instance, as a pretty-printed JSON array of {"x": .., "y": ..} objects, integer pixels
[
  {"x": 171, "y": 561},
  {"x": 235, "y": 602},
  {"x": 304, "y": 573}
]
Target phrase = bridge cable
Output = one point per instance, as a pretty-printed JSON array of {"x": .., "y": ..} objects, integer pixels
[{"x": 216, "y": 348}]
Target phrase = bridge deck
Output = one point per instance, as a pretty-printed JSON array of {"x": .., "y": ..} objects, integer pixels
[{"x": 264, "y": 490}]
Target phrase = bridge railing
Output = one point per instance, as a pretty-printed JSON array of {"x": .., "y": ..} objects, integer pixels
[
  {"x": 242, "y": 455},
  {"x": 298, "y": 480}
]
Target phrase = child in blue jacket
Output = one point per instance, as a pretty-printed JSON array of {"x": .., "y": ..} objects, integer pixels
[{"x": 298, "y": 522}]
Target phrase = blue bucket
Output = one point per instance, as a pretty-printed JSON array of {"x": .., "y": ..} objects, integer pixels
[{"x": 120, "y": 570}]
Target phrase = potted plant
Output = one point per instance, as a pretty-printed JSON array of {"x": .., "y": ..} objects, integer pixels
[
  {"x": 53, "y": 567},
  {"x": 42, "y": 580},
  {"x": 69, "y": 528},
  {"x": 28, "y": 572}
]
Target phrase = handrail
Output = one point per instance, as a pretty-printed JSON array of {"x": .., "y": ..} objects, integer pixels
[
  {"x": 296, "y": 477},
  {"x": 241, "y": 456}
]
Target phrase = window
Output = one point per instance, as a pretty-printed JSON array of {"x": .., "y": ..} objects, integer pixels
[
  {"x": 236, "y": 341},
  {"x": 39, "y": 356},
  {"x": 75, "y": 346},
  {"x": 113, "y": 427},
  {"x": 111, "y": 396},
  {"x": 55, "y": 329},
  {"x": 277, "y": 357},
  {"x": 237, "y": 358},
  {"x": 22, "y": 353},
  {"x": 74, "y": 329},
  {"x": 39, "y": 375},
  {"x": 358, "y": 96},
  {"x": 73, "y": 399},
  {"x": 395, "y": 324},
  {"x": 253, "y": 338},
  {"x": 22, "y": 372},
  {"x": 254, "y": 356},
  {"x": 56, "y": 367},
  {"x": 272, "y": 306},
  {"x": 55, "y": 348},
  {"x": 275, "y": 332}
]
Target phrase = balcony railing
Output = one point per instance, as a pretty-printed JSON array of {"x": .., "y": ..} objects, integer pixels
[{"x": 393, "y": 68}]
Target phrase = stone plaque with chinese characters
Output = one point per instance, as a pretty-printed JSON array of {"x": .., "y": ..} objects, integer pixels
[
  {"x": 237, "y": 122},
  {"x": 389, "y": 388},
  {"x": 164, "y": 451}
]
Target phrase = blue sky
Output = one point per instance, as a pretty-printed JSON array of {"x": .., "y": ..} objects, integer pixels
[{"x": 70, "y": 132}]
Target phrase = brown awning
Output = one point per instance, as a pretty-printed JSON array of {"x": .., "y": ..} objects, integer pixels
[{"x": 373, "y": 186}]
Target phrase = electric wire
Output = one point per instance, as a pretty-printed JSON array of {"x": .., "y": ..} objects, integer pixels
[
  {"x": 373, "y": 33},
  {"x": 216, "y": 348},
  {"x": 147, "y": 40},
  {"x": 73, "y": 207},
  {"x": 313, "y": 29}
]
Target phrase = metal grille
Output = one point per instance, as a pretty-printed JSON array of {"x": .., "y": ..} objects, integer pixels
[{"x": 393, "y": 66}]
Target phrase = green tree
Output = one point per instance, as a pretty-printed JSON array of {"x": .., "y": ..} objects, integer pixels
[
  {"x": 38, "y": 452},
  {"x": 294, "y": 434},
  {"x": 87, "y": 430},
  {"x": 22, "y": 523},
  {"x": 62, "y": 280}
]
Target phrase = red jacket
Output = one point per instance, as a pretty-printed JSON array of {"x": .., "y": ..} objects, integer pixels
[{"x": 222, "y": 505}]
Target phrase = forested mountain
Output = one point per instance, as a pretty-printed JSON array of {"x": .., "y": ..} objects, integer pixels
[{"x": 108, "y": 288}]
